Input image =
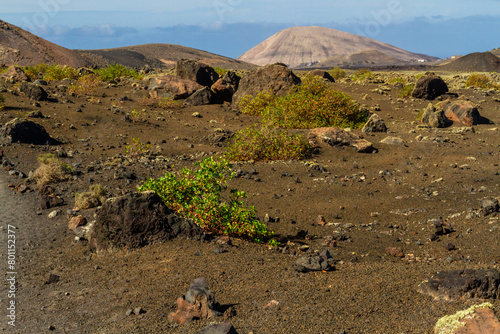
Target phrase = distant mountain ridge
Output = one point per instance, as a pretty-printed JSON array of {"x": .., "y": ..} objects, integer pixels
[
  {"x": 20, "y": 47},
  {"x": 305, "y": 46}
]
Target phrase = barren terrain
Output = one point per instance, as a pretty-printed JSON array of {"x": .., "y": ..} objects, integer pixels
[{"x": 369, "y": 202}]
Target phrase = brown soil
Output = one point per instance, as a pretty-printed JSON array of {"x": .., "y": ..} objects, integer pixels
[{"x": 370, "y": 292}]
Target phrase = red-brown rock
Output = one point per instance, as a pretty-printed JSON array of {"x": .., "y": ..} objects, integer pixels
[
  {"x": 77, "y": 222},
  {"x": 464, "y": 112},
  {"x": 172, "y": 87},
  {"x": 395, "y": 251},
  {"x": 483, "y": 321}
]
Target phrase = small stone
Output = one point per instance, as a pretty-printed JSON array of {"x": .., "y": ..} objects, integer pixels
[
  {"x": 129, "y": 312},
  {"x": 449, "y": 246},
  {"x": 196, "y": 114},
  {"x": 139, "y": 310},
  {"x": 395, "y": 251},
  {"x": 54, "y": 214},
  {"x": 76, "y": 222},
  {"x": 272, "y": 304}
]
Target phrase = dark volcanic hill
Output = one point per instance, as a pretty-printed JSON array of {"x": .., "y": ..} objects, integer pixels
[
  {"x": 160, "y": 55},
  {"x": 17, "y": 46},
  {"x": 20, "y": 47},
  {"x": 306, "y": 46},
  {"x": 474, "y": 62}
]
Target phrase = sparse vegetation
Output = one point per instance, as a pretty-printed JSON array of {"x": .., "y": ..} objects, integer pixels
[
  {"x": 198, "y": 195},
  {"x": 113, "y": 72},
  {"x": 481, "y": 81},
  {"x": 136, "y": 148},
  {"x": 314, "y": 104},
  {"x": 406, "y": 91},
  {"x": 2, "y": 100},
  {"x": 92, "y": 198},
  {"x": 220, "y": 71},
  {"x": 253, "y": 143},
  {"x": 256, "y": 105},
  {"x": 87, "y": 85},
  {"x": 50, "y": 72},
  {"x": 167, "y": 103},
  {"x": 338, "y": 73},
  {"x": 362, "y": 75},
  {"x": 51, "y": 170}
]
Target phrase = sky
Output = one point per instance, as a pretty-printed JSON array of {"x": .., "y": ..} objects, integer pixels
[{"x": 231, "y": 27}]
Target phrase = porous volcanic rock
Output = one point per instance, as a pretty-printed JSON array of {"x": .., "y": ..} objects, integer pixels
[
  {"x": 14, "y": 74},
  {"x": 464, "y": 112},
  {"x": 198, "y": 303},
  {"x": 136, "y": 220},
  {"x": 26, "y": 132},
  {"x": 198, "y": 72},
  {"x": 332, "y": 136},
  {"x": 322, "y": 74},
  {"x": 225, "y": 87},
  {"x": 315, "y": 262},
  {"x": 172, "y": 87},
  {"x": 468, "y": 283},
  {"x": 435, "y": 117},
  {"x": 477, "y": 319},
  {"x": 429, "y": 87},
  {"x": 33, "y": 91},
  {"x": 275, "y": 77},
  {"x": 201, "y": 97},
  {"x": 375, "y": 124}
]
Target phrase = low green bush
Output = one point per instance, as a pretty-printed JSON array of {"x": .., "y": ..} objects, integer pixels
[
  {"x": 314, "y": 104},
  {"x": 113, "y": 72},
  {"x": 256, "y": 105},
  {"x": 198, "y": 195},
  {"x": 480, "y": 81},
  {"x": 220, "y": 71},
  {"x": 362, "y": 75},
  {"x": 254, "y": 143},
  {"x": 406, "y": 91},
  {"x": 338, "y": 73},
  {"x": 57, "y": 72}
]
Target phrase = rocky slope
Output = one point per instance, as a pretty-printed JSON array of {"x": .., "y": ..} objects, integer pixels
[{"x": 302, "y": 46}]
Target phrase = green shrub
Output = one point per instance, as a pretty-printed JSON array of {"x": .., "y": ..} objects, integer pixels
[
  {"x": 33, "y": 71},
  {"x": 362, "y": 75},
  {"x": 87, "y": 85},
  {"x": 113, "y": 72},
  {"x": 92, "y": 198},
  {"x": 51, "y": 170},
  {"x": 480, "y": 81},
  {"x": 314, "y": 104},
  {"x": 406, "y": 91},
  {"x": 337, "y": 73},
  {"x": 398, "y": 79},
  {"x": 57, "y": 72},
  {"x": 256, "y": 105},
  {"x": 254, "y": 143},
  {"x": 198, "y": 195},
  {"x": 136, "y": 148}
]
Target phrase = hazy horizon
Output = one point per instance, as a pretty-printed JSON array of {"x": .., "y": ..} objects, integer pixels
[{"x": 232, "y": 27}]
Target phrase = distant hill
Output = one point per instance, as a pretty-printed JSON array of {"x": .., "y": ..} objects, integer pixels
[
  {"x": 20, "y": 47},
  {"x": 17, "y": 46},
  {"x": 474, "y": 62},
  {"x": 306, "y": 46},
  {"x": 161, "y": 55},
  {"x": 362, "y": 58}
]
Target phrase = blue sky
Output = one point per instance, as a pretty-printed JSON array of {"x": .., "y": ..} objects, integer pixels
[{"x": 231, "y": 27}]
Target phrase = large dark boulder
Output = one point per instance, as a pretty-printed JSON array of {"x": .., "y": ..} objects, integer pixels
[
  {"x": 136, "y": 220},
  {"x": 276, "y": 77},
  {"x": 225, "y": 87},
  {"x": 201, "y": 97},
  {"x": 196, "y": 71},
  {"x": 429, "y": 87},
  {"x": 469, "y": 283},
  {"x": 26, "y": 132},
  {"x": 33, "y": 91},
  {"x": 172, "y": 87}
]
